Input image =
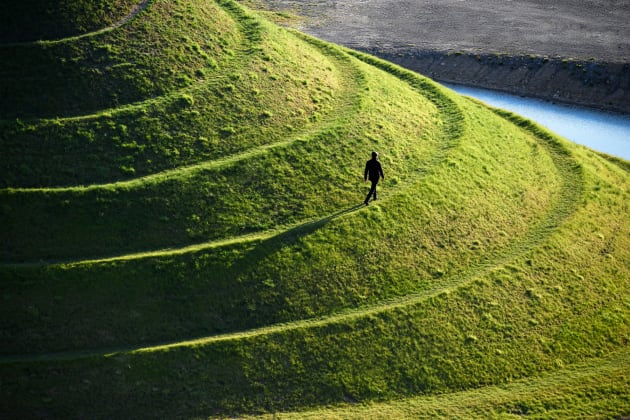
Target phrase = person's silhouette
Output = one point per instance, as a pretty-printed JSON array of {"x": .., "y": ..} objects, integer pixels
[{"x": 373, "y": 172}]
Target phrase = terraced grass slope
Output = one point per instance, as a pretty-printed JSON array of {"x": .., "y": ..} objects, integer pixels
[
  {"x": 32, "y": 20},
  {"x": 183, "y": 235}
]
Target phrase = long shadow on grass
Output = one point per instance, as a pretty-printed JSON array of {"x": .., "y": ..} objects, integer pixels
[
  {"x": 244, "y": 291},
  {"x": 148, "y": 301},
  {"x": 296, "y": 232}
]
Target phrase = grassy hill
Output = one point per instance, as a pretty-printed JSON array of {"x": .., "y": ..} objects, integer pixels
[{"x": 183, "y": 235}]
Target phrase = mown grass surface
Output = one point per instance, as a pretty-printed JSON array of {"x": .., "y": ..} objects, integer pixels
[{"x": 243, "y": 276}]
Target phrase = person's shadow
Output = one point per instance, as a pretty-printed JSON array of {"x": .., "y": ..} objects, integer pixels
[
  {"x": 309, "y": 227},
  {"x": 240, "y": 285}
]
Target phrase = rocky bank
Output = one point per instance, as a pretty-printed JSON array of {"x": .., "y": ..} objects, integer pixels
[{"x": 582, "y": 82}]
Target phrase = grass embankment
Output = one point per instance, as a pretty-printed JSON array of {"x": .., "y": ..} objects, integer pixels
[{"x": 496, "y": 253}]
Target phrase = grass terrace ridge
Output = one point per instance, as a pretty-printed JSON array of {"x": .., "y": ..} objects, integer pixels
[{"x": 183, "y": 234}]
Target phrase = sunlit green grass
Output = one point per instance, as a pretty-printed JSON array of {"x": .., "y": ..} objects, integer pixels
[
  {"x": 224, "y": 111},
  {"x": 238, "y": 272},
  {"x": 597, "y": 390}
]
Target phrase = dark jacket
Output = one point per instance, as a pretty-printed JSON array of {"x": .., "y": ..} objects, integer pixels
[{"x": 373, "y": 170}]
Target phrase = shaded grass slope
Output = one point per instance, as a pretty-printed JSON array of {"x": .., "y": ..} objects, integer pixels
[
  {"x": 172, "y": 45},
  {"x": 32, "y": 20},
  {"x": 204, "y": 252}
]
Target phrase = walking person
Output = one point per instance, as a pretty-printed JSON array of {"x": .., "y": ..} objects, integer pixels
[{"x": 373, "y": 172}]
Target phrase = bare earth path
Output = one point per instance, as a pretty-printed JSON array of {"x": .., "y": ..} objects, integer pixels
[{"x": 583, "y": 46}]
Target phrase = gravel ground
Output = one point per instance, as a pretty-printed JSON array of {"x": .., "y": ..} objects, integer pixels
[
  {"x": 581, "y": 29},
  {"x": 572, "y": 51}
]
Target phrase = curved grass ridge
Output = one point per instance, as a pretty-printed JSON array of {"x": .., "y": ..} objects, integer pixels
[
  {"x": 121, "y": 66},
  {"x": 462, "y": 277},
  {"x": 163, "y": 133},
  {"x": 115, "y": 24},
  {"x": 279, "y": 234},
  {"x": 559, "y": 394},
  {"x": 35, "y": 21},
  {"x": 200, "y": 174},
  {"x": 345, "y": 111},
  {"x": 247, "y": 238}
]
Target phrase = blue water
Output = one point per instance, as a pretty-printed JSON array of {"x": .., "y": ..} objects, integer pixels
[{"x": 599, "y": 130}]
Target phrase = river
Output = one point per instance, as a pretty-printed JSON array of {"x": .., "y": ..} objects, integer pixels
[{"x": 598, "y": 130}]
